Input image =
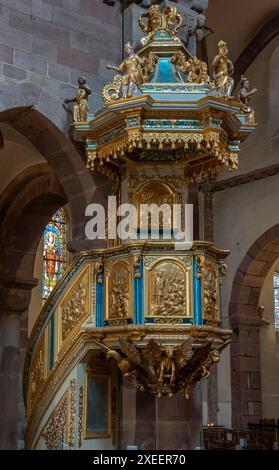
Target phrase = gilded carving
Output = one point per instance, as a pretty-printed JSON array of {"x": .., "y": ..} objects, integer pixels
[
  {"x": 136, "y": 264},
  {"x": 166, "y": 370},
  {"x": 75, "y": 307},
  {"x": 157, "y": 193},
  {"x": 119, "y": 291},
  {"x": 80, "y": 415},
  {"x": 37, "y": 372},
  {"x": 195, "y": 69},
  {"x": 200, "y": 260},
  {"x": 55, "y": 434},
  {"x": 223, "y": 70},
  {"x": 137, "y": 180},
  {"x": 72, "y": 423},
  {"x": 168, "y": 290},
  {"x": 134, "y": 72},
  {"x": 154, "y": 20},
  {"x": 210, "y": 292}
]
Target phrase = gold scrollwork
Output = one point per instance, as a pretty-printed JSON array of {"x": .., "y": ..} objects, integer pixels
[
  {"x": 195, "y": 68},
  {"x": 56, "y": 428},
  {"x": 72, "y": 423},
  {"x": 153, "y": 20},
  {"x": 37, "y": 375},
  {"x": 111, "y": 92},
  {"x": 80, "y": 415}
]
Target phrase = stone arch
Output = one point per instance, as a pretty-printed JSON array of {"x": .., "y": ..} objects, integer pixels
[
  {"x": 264, "y": 36},
  {"x": 67, "y": 162},
  {"x": 26, "y": 205},
  {"x": 274, "y": 94},
  {"x": 246, "y": 323}
]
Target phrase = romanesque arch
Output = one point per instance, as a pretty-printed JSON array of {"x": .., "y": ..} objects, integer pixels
[{"x": 246, "y": 322}]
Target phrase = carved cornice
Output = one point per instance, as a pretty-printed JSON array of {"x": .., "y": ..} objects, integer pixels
[{"x": 235, "y": 181}]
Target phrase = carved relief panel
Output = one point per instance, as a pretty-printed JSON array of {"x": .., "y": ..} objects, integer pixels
[
  {"x": 159, "y": 193},
  {"x": 118, "y": 290},
  {"x": 210, "y": 289},
  {"x": 74, "y": 308},
  {"x": 169, "y": 289},
  {"x": 37, "y": 375}
]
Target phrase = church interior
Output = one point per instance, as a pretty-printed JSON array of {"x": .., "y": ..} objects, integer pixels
[{"x": 109, "y": 343}]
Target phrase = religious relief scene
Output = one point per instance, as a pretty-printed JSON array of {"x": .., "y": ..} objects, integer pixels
[{"x": 139, "y": 230}]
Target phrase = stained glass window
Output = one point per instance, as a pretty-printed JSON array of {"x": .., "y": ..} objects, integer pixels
[
  {"x": 54, "y": 246},
  {"x": 276, "y": 299}
]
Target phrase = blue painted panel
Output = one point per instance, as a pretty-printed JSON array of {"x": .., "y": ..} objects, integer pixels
[
  {"x": 165, "y": 72},
  {"x": 138, "y": 297},
  {"x": 100, "y": 303},
  {"x": 197, "y": 297}
]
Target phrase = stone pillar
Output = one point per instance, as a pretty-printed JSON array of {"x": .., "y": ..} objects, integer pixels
[
  {"x": 245, "y": 370},
  {"x": 212, "y": 382},
  {"x": 9, "y": 378},
  {"x": 193, "y": 198},
  {"x": 128, "y": 414},
  {"x": 15, "y": 298},
  {"x": 160, "y": 424}
]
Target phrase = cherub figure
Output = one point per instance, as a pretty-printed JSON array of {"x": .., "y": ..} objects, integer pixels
[
  {"x": 244, "y": 96},
  {"x": 223, "y": 70},
  {"x": 80, "y": 108}
]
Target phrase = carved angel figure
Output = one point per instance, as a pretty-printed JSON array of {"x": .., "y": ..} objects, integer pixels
[
  {"x": 166, "y": 370},
  {"x": 198, "y": 367},
  {"x": 223, "y": 70},
  {"x": 154, "y": 20},
  {"x": 154, "y": 367},
  {"x": 244, "y": 96},
  {"x": 80, "y": 108},
  {"x": 134, "y": 72}
]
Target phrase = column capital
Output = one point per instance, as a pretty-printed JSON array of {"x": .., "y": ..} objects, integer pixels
[{"x": 15, "y": 294}]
